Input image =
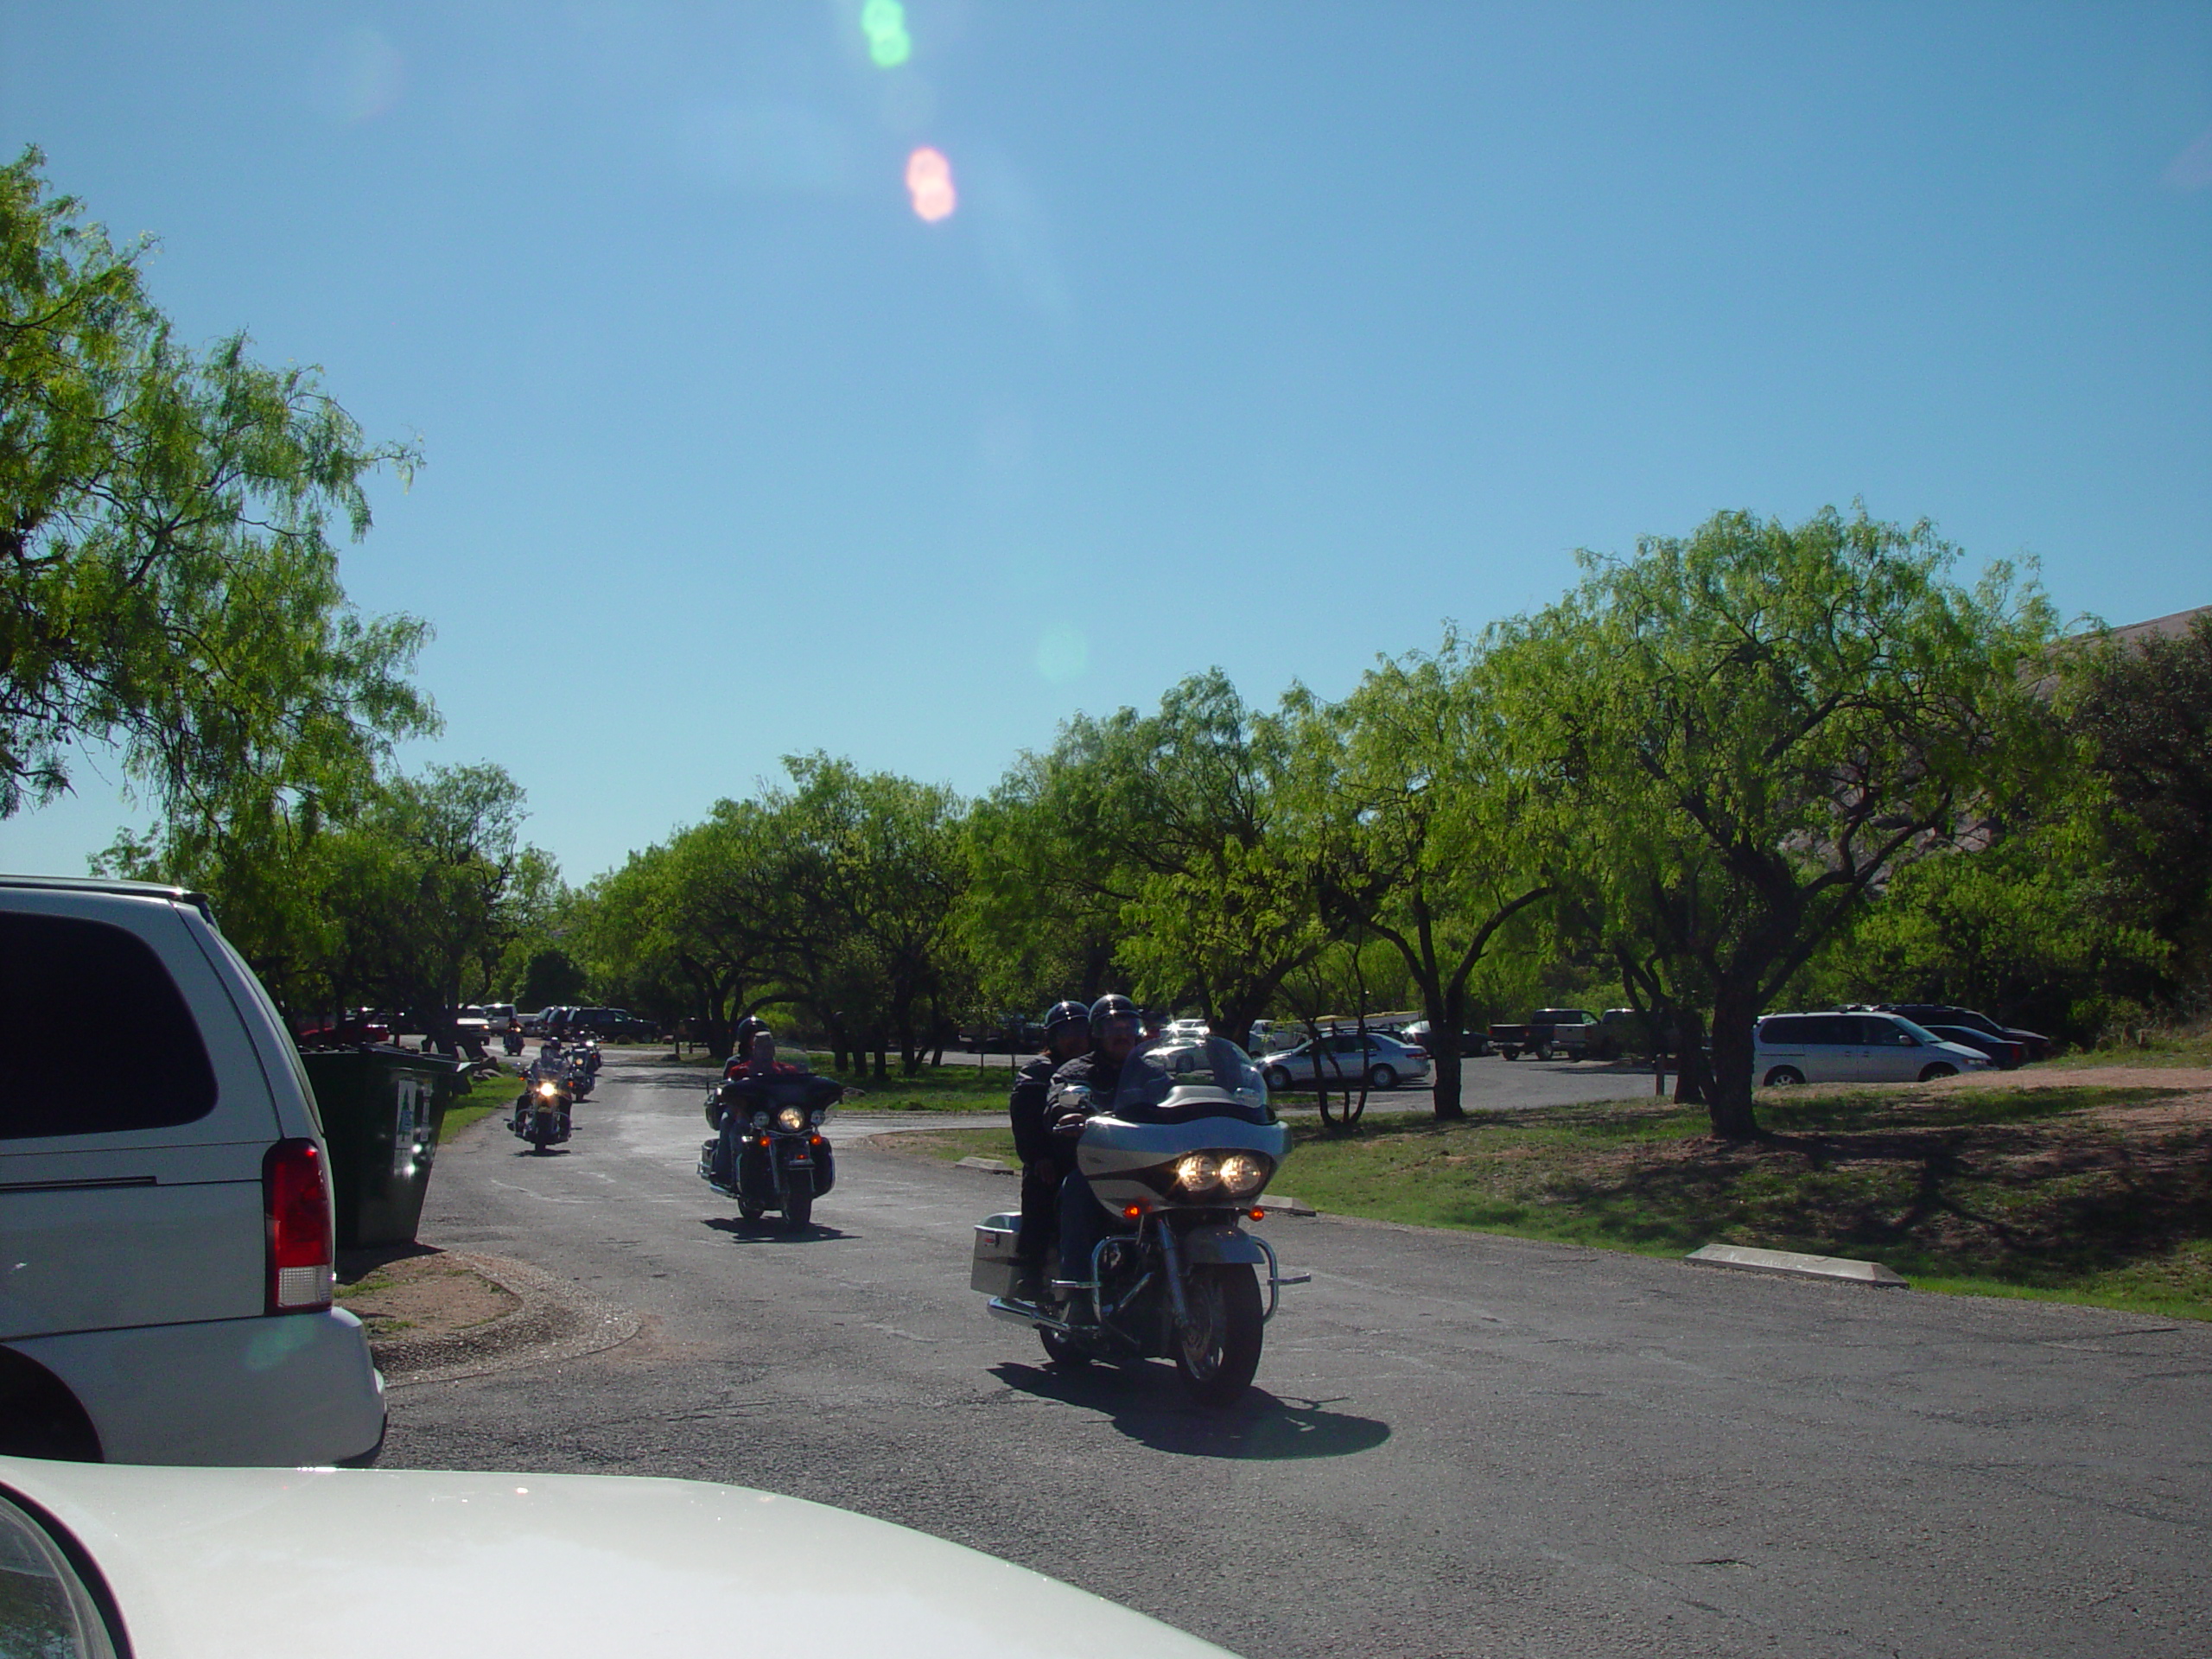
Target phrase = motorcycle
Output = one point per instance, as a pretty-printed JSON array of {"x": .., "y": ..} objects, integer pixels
[
  {"x": 511, "y": 1040},
  {"x": 1178, "y": 1159},
  {"x": 580, "y": 1055},
  {"x": 543, "y": 1115},
  {"x": 770, "y": 1153}
]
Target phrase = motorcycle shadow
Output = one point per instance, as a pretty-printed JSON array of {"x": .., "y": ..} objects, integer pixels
[
  {"x": 771, "y": 1229},
  {"x": 528, "y": 1151},
  {"x": 1147, "y": 1402}
]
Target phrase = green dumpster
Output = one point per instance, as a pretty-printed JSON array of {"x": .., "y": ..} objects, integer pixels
[{"x": 382, "y": 1108}]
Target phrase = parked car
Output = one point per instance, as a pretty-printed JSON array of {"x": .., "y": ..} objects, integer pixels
[
  {"x": 359, "y": 1027},
  {"x": 1473, "y": 1045},
  {"x": 1545, "y": 1032},
  {"x": 1346, "y": 1056},
  {"x": 2004, "y": 1053},
  {"x": 1943, "y": 1014},
  {"x": 1853, "y": 1047},
  {"x": 362, "y": 1564},
  {"x": 166, "y": 1208}
]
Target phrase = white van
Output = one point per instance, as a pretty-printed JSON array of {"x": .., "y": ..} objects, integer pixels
[
  {"x": 1853, "y": 1048},
  {"x": 164, "y": 1198}
]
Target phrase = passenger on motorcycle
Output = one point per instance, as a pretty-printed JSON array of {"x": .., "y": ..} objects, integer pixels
[
  {"x": 1045, "y": 1158},
  {"x": 1117, "y": 1028}
]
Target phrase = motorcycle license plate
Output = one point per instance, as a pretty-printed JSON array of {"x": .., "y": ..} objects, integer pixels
[{"x": 798, "y": 1160}]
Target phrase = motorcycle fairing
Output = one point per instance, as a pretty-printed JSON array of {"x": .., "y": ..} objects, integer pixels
[{"x": 1130, "y": 1163}]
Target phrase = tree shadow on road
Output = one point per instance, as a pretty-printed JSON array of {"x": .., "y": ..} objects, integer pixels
[
  {"x": 1146, "y": 1403},
  {"x": 771, "y": 1229}
]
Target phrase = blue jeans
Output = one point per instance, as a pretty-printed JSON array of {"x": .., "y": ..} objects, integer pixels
[{"x": 1082, "y": 1223}]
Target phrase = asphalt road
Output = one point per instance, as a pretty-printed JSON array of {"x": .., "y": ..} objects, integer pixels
[{"x": 1458, "y": 1444}]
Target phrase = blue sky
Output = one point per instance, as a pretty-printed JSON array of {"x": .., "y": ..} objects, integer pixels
[{"x": 1260, "y": 335}]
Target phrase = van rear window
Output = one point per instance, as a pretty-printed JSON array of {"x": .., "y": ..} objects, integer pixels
[{"x": 94, "y": 1035}]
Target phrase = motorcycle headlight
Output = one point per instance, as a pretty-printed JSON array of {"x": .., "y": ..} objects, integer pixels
[
  {"x": 548, "y": 1089},
  {"x": 759, "y": 1120},
  {"x": 817, "y": 1114},
  {"x": 1243, "y": 1173},
  {"x": 1197, "y": 1171},
  {"x": 790, "y": 1119}
]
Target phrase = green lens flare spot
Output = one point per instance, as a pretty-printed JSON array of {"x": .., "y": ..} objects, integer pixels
[{"x": 883, "y": 23}]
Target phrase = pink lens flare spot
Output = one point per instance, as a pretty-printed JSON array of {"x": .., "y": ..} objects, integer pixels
[{"x": 929, "y": 181}]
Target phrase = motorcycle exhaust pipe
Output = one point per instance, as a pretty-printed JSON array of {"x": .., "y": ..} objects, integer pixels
[{"x": 1013, "y": 1314}]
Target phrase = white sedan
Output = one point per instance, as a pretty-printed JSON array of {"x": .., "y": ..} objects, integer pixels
[{"x": 103, "y": 1559}]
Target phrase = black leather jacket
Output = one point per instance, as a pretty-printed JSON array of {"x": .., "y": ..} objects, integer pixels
[
  {"x": 1102, "y": 1076},
  {"x": 1033, "y": 1141}
]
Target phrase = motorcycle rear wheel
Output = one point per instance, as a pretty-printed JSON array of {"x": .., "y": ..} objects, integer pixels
[{"x": 1217, "y": 1352}]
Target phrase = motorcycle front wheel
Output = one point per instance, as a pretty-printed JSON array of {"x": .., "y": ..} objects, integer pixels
[
  {"x": 798, "y": 1201},
  {"x": 1219, "y": 1350}
]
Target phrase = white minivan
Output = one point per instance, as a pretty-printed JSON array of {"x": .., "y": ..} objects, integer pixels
[
  {"x": 165, "y": 1200},
  {"x": 1854, "y": 1047}
]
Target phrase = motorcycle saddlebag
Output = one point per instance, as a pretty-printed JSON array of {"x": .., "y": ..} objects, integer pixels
[{"x": 991, "y": 1270}]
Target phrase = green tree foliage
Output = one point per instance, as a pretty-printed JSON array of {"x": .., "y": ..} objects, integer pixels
[
  {"x": 550, "y": 978},
  {"x": 1753, "y": 727},
  {"x": 875, "y": 866},
  {"x": 167, "y": 577},
  {"x": 695, "y": 928},
  {"x": 841, "y": 893},
  {"x": 2142, "y": 711},
  {"x": 415, "y": 900},
  {"x": 1427, "y": 837},
  {"x": 1170, "y": 835}
]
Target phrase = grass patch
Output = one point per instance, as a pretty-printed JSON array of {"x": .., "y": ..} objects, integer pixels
[
  {"x": 940, "y": 1089},
  {"x": 2189, "y": 1046},
  {"x": 2083, "y": 1194}
]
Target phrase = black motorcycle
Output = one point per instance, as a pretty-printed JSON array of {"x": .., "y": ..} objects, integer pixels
[
  {"x": 770, "y": 1153},
  {"x": 545, "y": 1111}
]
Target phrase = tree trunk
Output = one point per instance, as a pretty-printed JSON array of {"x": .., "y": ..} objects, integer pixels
[
  {"x": 1445, "y": 1011},
  {"x": 1730, "y": 1100}
]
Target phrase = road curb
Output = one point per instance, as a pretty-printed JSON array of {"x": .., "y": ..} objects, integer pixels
[
  {"x": 994, "y": 1166},
  {"x": 1790, "y": 1264},
  {"x": 557, "y": 1320}
]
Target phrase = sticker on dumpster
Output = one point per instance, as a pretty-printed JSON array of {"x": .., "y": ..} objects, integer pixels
[{"x": 411, "y": 1125}]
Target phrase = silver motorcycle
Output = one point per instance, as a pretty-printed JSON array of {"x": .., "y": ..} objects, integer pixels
[{"x": 1178, "y": 1159}]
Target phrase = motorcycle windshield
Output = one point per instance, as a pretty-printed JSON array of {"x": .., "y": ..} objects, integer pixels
[{"x": 1173, "y": 1079}]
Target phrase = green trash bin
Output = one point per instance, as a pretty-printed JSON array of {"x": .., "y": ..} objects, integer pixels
[{"x": 382, "y": 1108}]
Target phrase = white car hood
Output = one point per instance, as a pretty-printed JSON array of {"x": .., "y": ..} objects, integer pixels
[{"x": 334, "y": 1563}]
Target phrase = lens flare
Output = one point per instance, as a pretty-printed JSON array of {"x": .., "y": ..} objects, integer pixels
[
  {"x": 929, "y": 181},
  {"x": 883, "y": 23}
]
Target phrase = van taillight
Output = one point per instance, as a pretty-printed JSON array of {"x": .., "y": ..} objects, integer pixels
[{"x": 296, "y": 1200}]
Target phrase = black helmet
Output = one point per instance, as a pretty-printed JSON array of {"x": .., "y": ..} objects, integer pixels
[
  {"x": 1065, "y": 1014},
  {"x": 1114, "y": 1006},
  {"x": 747, "y": 1028}
]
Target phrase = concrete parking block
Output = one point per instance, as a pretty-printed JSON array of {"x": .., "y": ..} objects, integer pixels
[{"x": 1791, "y": 1264}]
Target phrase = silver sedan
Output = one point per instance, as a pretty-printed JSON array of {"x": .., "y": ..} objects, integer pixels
[{"x": 1346, "y": 1058}]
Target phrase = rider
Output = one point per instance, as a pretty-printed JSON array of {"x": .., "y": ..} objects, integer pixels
[
  {"x": 1117, "y": 1028},
  {"x": 1045, "y": 1158}
]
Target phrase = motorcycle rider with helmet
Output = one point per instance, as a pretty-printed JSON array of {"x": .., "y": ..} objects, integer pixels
[
  {"x": 1117, "y": 1028},
  {"x": 1045, "y": 1158}
]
